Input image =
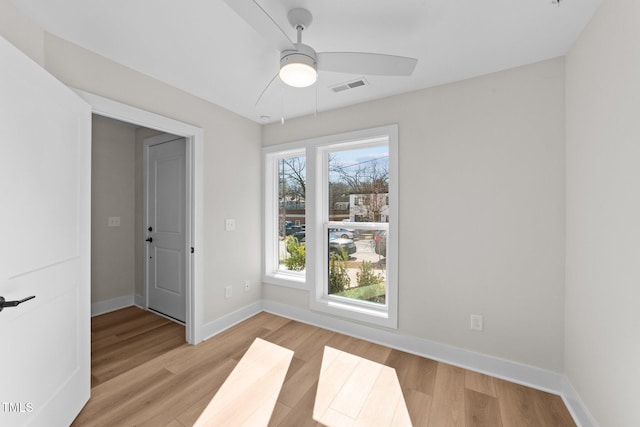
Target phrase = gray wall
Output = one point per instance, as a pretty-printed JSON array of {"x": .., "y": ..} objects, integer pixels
[
  {"x": 481, "y": 165},
  {"x": 603, "y": 214},
  {"x": 113, "y": 195},
  {"x": 117, "y": 190}
]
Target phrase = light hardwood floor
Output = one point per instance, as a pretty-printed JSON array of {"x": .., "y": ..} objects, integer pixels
[{"x": 144, "y": 374}]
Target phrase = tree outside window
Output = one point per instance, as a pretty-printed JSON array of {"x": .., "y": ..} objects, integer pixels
[
  {"x": 292, "y": 190},
  {"x": 357, "y": 265}
]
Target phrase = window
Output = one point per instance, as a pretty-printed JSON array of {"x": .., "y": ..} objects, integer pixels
[
  {"x": 356, "y": 252},
  {"x": 285, "y": 255},
  {"x": 349, "y": 237}
]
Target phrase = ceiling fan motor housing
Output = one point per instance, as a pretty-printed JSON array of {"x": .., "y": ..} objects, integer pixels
[
  {"x": 303, "y": 54},
  {"x": 304, "y": 59}
]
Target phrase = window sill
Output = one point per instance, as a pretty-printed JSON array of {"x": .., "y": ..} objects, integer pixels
[
  {"x": 355, "y": 311},
  {"x": 284, "y": 279}
]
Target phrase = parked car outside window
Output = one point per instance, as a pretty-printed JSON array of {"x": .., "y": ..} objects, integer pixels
[
  {"x": 337, "y": 243},
  {"x": 345, "y": 233},
  {"x": 380, "y": 241}
]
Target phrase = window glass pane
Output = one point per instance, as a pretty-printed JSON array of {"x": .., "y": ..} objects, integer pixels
[
  {"x": 358, "y": 264},
  {"x": 359, "y": 185},
  {"x": 291, "y": 213},
  {"x": 358, "y": 193}
]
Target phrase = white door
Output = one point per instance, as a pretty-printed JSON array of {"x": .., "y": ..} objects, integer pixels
[
  {"x": 166, "y": 225},
  {"x": 45, "y": 190}
]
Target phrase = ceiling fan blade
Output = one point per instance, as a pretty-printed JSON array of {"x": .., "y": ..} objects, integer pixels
[
  {"x": 366, "y": 63},
  {"x": 260, "y": 20},
  {"x": 265, "y": 89}
]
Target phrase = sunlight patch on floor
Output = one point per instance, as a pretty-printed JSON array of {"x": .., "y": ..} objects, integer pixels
[
  {"x": 353, "y": 391},
  {"x": 249, "y": 394}
]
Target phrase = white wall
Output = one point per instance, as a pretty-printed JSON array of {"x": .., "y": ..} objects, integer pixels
[
  {"x": 21, "y": 31},
  {"x": 603, "y": 214},
  {"x": 482, "y": 200},
  {"x": 231, "y": 155},
  {"x": 231, "y": 177},
  {"x": 113, "y": 194},
  {"x": 481, "y": 209}
]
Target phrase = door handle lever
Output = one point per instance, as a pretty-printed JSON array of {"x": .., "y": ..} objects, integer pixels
[
  {"x": 149, "y": 239},
  {"x": 4, "y": 303}
]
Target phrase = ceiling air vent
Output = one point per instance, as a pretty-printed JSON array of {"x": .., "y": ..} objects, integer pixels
[{"x": 349, "y": 85}]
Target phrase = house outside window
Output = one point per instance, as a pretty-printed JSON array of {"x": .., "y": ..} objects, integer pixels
[{"x": 373, "y": 207}]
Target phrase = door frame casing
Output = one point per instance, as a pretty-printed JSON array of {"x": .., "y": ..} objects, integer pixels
[{"x": 194, "y": 193}]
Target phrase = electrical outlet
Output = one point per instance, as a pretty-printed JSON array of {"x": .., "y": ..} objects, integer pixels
[
  {"x": 230, "y": 224},
  {"x": 247, "y": 285},
  {"x": 477, "y": 322},
  {"x": 227, "y": 292},
  {"x": 113, "y": 221}
]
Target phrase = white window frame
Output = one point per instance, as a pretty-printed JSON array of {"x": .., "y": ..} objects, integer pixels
[
  {"x": 271, "y": 269},
  {"x": 320, "y": 300},
  {"x": 317, "y": 223}
]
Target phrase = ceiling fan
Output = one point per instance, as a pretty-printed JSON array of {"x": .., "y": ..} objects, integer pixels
[{"x": 299, "y": 63}]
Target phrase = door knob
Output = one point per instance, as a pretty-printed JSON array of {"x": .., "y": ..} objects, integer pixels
[
  {"x": 4, "y": 303},
  {"x": 149, "y": 239}
]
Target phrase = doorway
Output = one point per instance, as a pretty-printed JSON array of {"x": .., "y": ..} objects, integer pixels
[{"x": 194, "y": 198}]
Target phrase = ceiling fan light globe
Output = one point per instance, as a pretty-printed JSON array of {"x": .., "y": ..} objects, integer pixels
[
  {"x": 298, "y": 68},
  {"x": 298, "y": 75}
]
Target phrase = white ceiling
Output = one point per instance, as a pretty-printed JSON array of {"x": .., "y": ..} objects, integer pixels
[{"x": 204, "y": 48}]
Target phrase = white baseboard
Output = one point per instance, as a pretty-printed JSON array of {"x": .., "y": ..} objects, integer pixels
[
  {"x": 140, "y": 301},
  {"x": 111, "y": 305},
  {"x": 225, "y": 322},
  {"x": 515, "y": 372},
  {"x": 529, "y": 376},
  {"x": 576, "y": 406}
]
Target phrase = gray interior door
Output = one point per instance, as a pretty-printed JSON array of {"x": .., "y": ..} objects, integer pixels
[{"x": 166, "y": 225}]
